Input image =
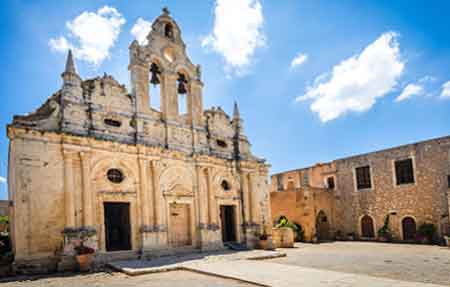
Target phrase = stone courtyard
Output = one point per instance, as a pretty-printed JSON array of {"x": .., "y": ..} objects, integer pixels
[{"x": 315, "y": 265}]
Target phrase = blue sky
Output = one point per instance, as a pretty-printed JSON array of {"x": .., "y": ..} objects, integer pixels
[{"x": 369, "y": 74}]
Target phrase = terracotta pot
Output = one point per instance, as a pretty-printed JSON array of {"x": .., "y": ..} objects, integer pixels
[
  {"x": 84, "y": 262},
  {"x": 264, "y": 244}
]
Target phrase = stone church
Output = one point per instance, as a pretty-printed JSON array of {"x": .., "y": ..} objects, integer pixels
[{"x": 102, "y": 165}]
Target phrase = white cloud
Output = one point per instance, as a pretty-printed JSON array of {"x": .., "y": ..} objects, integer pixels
[
  {"x": 140, "y": 30},
  {"x": 299, "y": 60},
  {"x": 91, "y": 35},
  {"x": 355, "y": 84},
  {"x": 2, "y": 179},
  {"x": 445, "y": 90},
  {"x": 409, "y": 91},
  {"x": 237, "y": 32}
]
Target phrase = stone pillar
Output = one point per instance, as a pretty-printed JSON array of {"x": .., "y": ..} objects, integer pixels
[
  {"x": 88, "y": 218},
  {"x": 249, "y": 201},
  {"x": 69, "y": 201},
  {"x": 196, "y": 102},
  {"x": 160, "y": 220},
  {"x": 211, "y": 233},
  {"x": 139, "y": 78},
  {"x": 169, "y": 99},
  {"x": 145, "y": 204}
]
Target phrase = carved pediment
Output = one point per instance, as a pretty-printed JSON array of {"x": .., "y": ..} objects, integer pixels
[{"x": 178, "y": 191}]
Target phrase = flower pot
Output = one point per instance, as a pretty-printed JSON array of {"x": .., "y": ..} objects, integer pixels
[
  {"x": 84, "y": 262},
  {"x": 263, "y": 244}
]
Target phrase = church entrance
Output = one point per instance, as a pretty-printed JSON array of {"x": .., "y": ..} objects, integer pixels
[
  {"x": 180, "y": 225},
  {"x": 117, "y": 226},
  {"x": 228, "y": 220}
]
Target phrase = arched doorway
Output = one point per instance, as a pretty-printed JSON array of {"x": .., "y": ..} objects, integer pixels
[
  {"x": 409, "y": 228},
  {"x": 367, "y": 229},
  {"x": 322, "y": 226}
]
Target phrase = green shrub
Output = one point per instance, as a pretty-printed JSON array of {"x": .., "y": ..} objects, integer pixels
[
  {"x": 427, "y": 230},
  {"x": 4, "y": 219},
  {"x": 283, "y": 221},
  {"x": 385, "y": 230}
]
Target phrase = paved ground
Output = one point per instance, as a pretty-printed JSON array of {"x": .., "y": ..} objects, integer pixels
[
  {"x": 282, "y": 275},
  {"x": 170, "y": 263},
  {"x": 408, "y": 262},
  {"x": 167, "y": 279},
  {"x": 339, "y": 264}
]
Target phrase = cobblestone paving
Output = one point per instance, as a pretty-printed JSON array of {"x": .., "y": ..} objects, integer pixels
[
  {"x": 408, "y": 262},
  {"x": 167, "y": 279}
]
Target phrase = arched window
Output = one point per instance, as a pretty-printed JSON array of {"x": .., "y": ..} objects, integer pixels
[
  {"x": 182, "y": 91},
  {"x": 155, "y": 86},
  {"x": 409, "y": 228},
  {"x": 367, "y": 229},
  {"x": 168, "y": 31}
]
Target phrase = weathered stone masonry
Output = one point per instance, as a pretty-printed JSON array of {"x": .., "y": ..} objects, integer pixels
[
  {"x": 425, "y": 200},
  {"x": 171, "y": 175}
]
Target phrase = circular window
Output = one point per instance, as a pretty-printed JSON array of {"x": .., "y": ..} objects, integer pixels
[
  {"x": 115, "y": 175},
  {"x": 225, "y": 185}
]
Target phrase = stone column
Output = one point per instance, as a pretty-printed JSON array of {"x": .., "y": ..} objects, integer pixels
[
  {"x": 169, "y": 103},
  {"x": 254, "y": 204},
  {"x": 202, "y": 199},
  {"x": 160, "y": 221},
  {"x": 139, "y": 77},
  {"x": 212, "y": 239},
  {"x": 88, "y": 219},
  {"x": 197, "y": 104},
  {"x": 246, "y": 199},
  {"x": 69, "y": 201},
  {"x": 212, "y": 218},
  {"x": 145, "y": 204}
]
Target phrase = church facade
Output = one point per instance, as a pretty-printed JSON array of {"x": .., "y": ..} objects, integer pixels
[{"x": 99, "y": 165}]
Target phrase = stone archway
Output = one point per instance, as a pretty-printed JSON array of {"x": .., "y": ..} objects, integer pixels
[
  {"x": 322, "y": 226},
  {"x": 409, "y": 228},
  {"x": 367, "y": 227}
]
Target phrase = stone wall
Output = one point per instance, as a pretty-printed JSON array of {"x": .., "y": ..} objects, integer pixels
[{"x": 426, "y": 200}]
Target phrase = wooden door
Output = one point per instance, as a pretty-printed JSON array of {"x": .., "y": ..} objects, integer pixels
[
  {"x": 117, "y": 226},
  {"x": 367, "y": 229},
  {"x": 180, "y": 227},
  {"x": 409, "y": 228},
  {"x": 227, "y": 217},
  {"x": 322, "y": 227}
]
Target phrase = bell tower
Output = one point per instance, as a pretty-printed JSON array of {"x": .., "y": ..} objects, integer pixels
[
  {"x": 164, "y": 64},
  {"x": 163, "y": 61}
]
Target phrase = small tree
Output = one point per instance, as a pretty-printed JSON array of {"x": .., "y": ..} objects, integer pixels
[{"x": 385, "y": 231}]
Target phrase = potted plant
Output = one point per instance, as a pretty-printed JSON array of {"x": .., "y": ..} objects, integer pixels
[{"x": 84, "y": 255}]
